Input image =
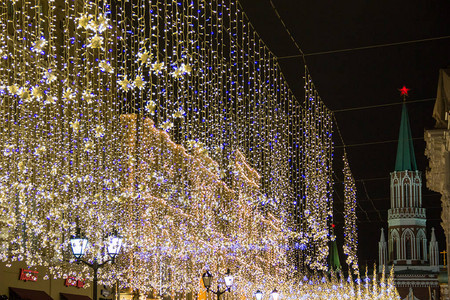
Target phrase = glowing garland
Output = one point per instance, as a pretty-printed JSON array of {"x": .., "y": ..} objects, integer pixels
[
  {"x": 350, "y": 232},
  {"x": 317, "y": 181},
  {"x": 336, "y": 288},
  {"x": 167, "y": 121}
]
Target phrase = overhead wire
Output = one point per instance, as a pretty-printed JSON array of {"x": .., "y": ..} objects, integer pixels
[
  {"x": 339, "y": 197},
  {"x": 374, "y": 143},
  {"x": 381, "y": 105},
  {"x": 428, "y": 219},
  {"x": 343, "y": 145},
  {"x": 368, "y": 179},
  {"x": 304, "y": 62},
  {"x": 303, "y": 55},
  {"x": 373, "y": 205},
  {"x": 432, "y": 194}
]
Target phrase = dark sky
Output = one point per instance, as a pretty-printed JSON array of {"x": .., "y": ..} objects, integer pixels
[{"x": 365, "y": 77}]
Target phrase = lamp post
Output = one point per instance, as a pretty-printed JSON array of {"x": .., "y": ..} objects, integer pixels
[
  {"x": 207, "y": 280},
  {"x": 79, "y": 246},
  {"x": 275, "y": 295}
]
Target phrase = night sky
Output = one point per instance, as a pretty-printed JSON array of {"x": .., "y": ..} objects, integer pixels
[{"x": 361, "y": 78}]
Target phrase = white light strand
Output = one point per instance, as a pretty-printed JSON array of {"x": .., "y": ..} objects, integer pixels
[
  {"x": 168, "y": 121},
  {"x": 350, "y": 230}
]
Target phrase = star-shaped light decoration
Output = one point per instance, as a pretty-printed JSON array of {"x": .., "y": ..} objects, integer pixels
[
  {"x": 83, "y": 21},
  {"x": 37, "y": 93},
  {"x": 150, "y": 107},
  {"x": 51, "y": 99},
  {"x": 177, "y": 72},
  {"x": 88, "y": 96},
  {"x": 105, "y": 66},
  {"x": 68, "y": 94},
  {"x": 13, "y": 89},
  {"x": 125, "y": 84},
  {"x": 404, "y": 91},
  {"x": 158, "y": 67},
  {"x": 102, "y": 23},
  {"x": 131, "y": 160},
  {"x": 186, "y": 68},
  {"x": 99, "y": 131},
  {"x": 98, "y": 25},
  {"x": 39, "y": 45},
  {"x": 24, "y": 94},
  {"x": 96, "y": 42},
  {"x": 144, "y": 57},
  {"x": 93, "y": 25},
  {"x": 40, "y": 150},
  {"x": 49, "y": 76},
  {"x": 167, "y": 125},
  {"x": 9, "y": 149},
  {"x": 178, "y": 114},
  {"x": 21, "y": 166},
  {"x": 54, "y": 170},
  {"x": 138, "y": 82},
  {"x": 89, "y": 146},
  {"x": 75, "y": 125}
]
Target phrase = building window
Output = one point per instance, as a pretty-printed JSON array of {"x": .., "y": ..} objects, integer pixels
[
  {"x": 421, "y": 252},
  {"x": 407, "y": 196},
  {"x": 396, "y": 195},
  {"x": 394, "y": 249},
  {"x": 408, "y": 246}
]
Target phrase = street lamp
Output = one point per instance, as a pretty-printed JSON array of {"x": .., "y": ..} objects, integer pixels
[
  {"x": 274, "y": 294},
  {"x": 258, "y": 295},
  {"x": 79, "y": 244},
  {"x": 207, "y": 280}
]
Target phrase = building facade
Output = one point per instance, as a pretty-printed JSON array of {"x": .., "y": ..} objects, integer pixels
[
  {"x": 415, "y": 259},
  {"x": 438, "y": 153}
]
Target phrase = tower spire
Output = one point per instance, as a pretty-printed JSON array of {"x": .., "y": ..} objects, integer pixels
[
  {"x": 406, "y": 159},
  {"x": 382, "y": 251},
  {"x": 434, "y": 250},
  {"x": 335, "y": 262}
]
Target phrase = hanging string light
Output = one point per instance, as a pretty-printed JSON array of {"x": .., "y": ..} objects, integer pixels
[
  {"x": 316, "y": 178},
  {"x": 350, "y": 232},
  {"x": 334, "y": 287},
  {"x": 168, "y": 121}
]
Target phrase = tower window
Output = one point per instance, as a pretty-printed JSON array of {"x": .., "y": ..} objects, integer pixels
[
  {"x": 394, "y": 249},
  {"x": 407, "y": 196},
  {"x": 408, "y": 246},
  {"x": 421, "y": 252}
]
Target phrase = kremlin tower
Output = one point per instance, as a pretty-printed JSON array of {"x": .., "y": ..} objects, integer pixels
[{"x": 416, "y": 262}]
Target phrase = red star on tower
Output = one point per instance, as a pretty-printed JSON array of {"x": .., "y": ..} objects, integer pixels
[{"x": 404, "y": 91}]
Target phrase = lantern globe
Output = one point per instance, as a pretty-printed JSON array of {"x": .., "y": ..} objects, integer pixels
[
  {"x": 275, "y": 295},
  {"x": 78, "y": 245},
  {"x": 228, "y": 279},
  {"x": 207, "y": 278},
  {"x": 114, "y": 245},
  {"x": 258, "y": 295}
]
